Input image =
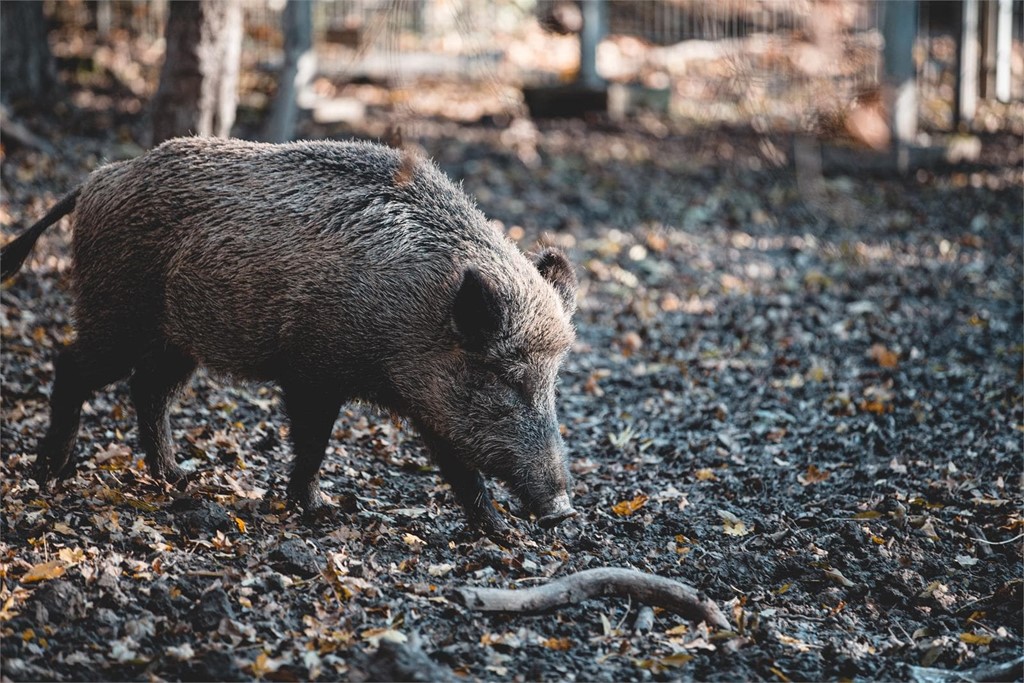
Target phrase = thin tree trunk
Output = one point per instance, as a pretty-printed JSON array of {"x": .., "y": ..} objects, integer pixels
[
  {"x": 198, "y": 89},
  {"x": 27, "y": 69},
  {"x": 296, "y": 72}
]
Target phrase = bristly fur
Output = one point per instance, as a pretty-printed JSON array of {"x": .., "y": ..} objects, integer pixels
[{"x": 333, "y": 269}]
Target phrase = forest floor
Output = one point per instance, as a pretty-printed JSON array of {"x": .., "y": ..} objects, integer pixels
[{"x": 801, "y": 395}]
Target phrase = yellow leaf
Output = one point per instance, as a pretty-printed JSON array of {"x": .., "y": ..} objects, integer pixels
[
  {"x": 264, "y": 665},
  {"x": 240, "y": 523},
  {"x": 677, "y": 630},
  {"x": 556, "y": 643},
  {"x": 69, "y": 556},
  {"x": 733, "y": 525},
  {"x": 975, "y": 639},
  {"x": 876, "y": 407},
  {"x": 736, "y": 529},
  {"x": 413, "y": 541},
  {"x": 44, "y": 572},
  {"x": 677, "y": 659},
  {"x": 705, "y": 474},
  {"x": 783, "y": 588},
  {"x": 628, "y": 507}
]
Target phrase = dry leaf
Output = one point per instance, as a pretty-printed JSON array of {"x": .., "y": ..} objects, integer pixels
[
  {"x": 70, "y": 556},
  {"x": 414, "y": 541},
  {"x": 883, "y": 356},
  {"x": 439, "y": 569},
  {"x": 44, "y": 572},
  {"x": 375, "y": 635},
  {"x": 975, "y": 639},
  {"x": 556, "y": 643},
  {"x": 705, "y": 474},
  {"x": 628, "y": 507},
  {"x": 660, "y": 664},
  {"x": 812, "y": 476},
  {"x": 838, "y": 577},
  {"x": 732, "y": 524},
  {"x": 63, "y": 529}
]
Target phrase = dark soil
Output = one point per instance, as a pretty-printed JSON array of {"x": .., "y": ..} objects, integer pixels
[{"x": 802, "y": 396}]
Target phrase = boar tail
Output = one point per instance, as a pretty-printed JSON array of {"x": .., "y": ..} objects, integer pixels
[{"x": 15, "y": 253}]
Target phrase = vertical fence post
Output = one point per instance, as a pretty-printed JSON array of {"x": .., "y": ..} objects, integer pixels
[
  {"x": 968, "y": 51},
  {"x": 899, "y": 27},
  {"x": 594, "y": 29},
  {"x": 1004, "y": 45}
]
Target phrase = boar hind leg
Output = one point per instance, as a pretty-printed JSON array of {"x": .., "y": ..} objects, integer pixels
[
  {"x": 312, "y": 414},
  {"x": 156, "y": 381},
  {"x": 78, "y": 373}
]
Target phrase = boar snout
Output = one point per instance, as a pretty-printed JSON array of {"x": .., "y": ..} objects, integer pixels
[{"x": 555, "y": 511}]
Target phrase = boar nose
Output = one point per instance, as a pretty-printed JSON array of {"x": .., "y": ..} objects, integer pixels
[{"x": 556, "y": 511}]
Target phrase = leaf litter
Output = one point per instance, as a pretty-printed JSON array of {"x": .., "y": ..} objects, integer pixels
[{"x": 808, "y": 378}]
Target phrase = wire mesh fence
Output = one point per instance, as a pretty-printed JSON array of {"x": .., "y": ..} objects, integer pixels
[{"x": 791, "y": 63}]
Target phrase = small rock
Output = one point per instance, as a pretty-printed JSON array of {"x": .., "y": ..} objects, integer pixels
[
  {"x": 202, "y": 517},
  {"x": 211, "y": 608},
  {"x": 58, "y": 601},
  {"x": 215, "y": 665},
  {"x": 294, "y": 557}
]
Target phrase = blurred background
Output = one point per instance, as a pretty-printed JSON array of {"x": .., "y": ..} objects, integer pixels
[{"x": 359, "y": 67}]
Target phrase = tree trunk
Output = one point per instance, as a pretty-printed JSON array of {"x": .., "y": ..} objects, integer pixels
[
  {"x": 27, "y": 69},
  {"x": 296, "y": 72},
  {"x": 199, "y": 81}
]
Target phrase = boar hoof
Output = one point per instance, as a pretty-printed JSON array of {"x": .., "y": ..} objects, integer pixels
[
  {"x": 314, "y": 509},
  {"x": 496, "y": 529},
  {"x": 173, "y": 475},
  {"x": 319, "y": 514}
]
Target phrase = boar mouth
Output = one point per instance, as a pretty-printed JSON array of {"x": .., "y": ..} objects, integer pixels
[{"x": 556, "y": 511}]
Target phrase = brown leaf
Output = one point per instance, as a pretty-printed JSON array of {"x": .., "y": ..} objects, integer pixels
[
  {"x": 812, "y": 476},
  {"x": 628, "y": 507},
  {"x": 556, "y": 643},
  {"x": 883, "y": 356},
  {"x": 44, "y": 571}
]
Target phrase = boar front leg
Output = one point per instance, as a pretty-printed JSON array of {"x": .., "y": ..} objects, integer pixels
[
  {"x": 471, "y": 492},
  {"x": 312, "y": 412}
]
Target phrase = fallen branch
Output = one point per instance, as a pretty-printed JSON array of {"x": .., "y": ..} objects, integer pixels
[
  {"x": 648, "y": 589},
  {"x": 1006, "y": 671}
]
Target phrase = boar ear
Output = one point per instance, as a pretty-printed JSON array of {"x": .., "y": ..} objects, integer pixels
[
  {"x": 557, "y": 270},
  {"x": 477, "y": 314}
]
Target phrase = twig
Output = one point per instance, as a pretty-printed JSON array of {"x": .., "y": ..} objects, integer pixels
[
  {"x": 648, "y": 589},
  {"x": 1010, "y": 540},
  {"x": 644, "y": 620},
  {"x": 975, "y": 533}
]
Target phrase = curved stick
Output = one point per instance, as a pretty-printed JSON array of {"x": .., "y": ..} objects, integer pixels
[{"x": 648, "y": 589}]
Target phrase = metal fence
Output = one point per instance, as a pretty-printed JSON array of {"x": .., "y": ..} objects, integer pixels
[{"x": 789, "y": 61}]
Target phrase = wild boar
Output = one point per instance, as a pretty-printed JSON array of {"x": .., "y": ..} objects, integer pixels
[{"x": 338, "y": 271}]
